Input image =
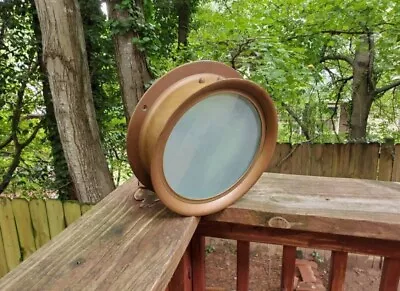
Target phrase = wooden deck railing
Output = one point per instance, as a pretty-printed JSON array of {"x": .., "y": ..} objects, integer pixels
[{"x": 119, "y": 245}]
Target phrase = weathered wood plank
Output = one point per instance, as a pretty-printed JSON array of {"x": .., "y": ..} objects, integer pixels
[
  {"x": 72, "y": 211},
  {"x": 316, "y": 160},
  {"x": 337, "y": 271},
  {"x": 273, "y": 165},
  {"x": 3, "y": 261},
  {"x": 396, "y": 164},
  {"x": 296, "y": 159},
  {"x": 335, "y": 159},
  {"x": 40, "y": 223},
  {"x": 390, "y": 275},
  {"x": 117, "y": 245},
  {"x": 55, "y": 215},
  {"x": 328, "y": 205},
  {"x": 288, "y": 268},
  {"x": 305, "y": 159},
  {"x": 368, "y": 161},
  {"x": 344, "y": 160},
  {"x": 355, "y": 160},
  {"x": 386, "y": 162},
  {"x": 242, "y": 265},
  {"x": 306, "y": 239},
  {"x": 198, "y": 245},
  {"x": 24, "y": 227},
  {"x": 9, "y": 234},
  {"x": 327, "y": 160}
]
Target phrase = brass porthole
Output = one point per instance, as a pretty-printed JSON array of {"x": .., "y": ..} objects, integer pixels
[{"x": 201, "y": 137}]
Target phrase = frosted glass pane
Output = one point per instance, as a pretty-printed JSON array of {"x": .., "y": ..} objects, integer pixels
[{"x": 212, "y": 146}]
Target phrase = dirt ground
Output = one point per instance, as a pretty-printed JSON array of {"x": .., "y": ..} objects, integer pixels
[{"x": 363, "y": 272}]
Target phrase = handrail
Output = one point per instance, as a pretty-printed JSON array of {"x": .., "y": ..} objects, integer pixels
[
  {"x": 122, "y": 246},
  {"x": 117, "y": 245}
]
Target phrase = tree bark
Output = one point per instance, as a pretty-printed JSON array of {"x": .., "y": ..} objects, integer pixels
[
  {"x": 63, "y": 179},
  {"x": 183, "y": 11},
  {"x": 131, "y": 62},
  {"x": 66, "y": 62},
  {"x": 362, "y": 89}
]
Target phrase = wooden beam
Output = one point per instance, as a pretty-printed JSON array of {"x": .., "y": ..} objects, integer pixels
[
  {"x": 288, "y": 268},
  {"x": 182, "y": 278},
  {"x": 242, "y": 265},
  {"x": 390, "y": 275},
  {"x": 198, "y": 248},
  {"x": 338, "y": 271},
  {"x": 304, "y": 239},
  {"x": 340, "y": 206},
  {"x": 117, "y": 245}
]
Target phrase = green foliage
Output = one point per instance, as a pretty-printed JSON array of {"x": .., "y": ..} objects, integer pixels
[
  {"x": 277, "y": 44},
  {"x": 280, "y": 44}
]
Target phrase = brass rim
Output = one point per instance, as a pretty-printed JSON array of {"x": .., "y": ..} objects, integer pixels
[
  {"x": 267, "y": 113},
  {"x": 156, "y": 91}
]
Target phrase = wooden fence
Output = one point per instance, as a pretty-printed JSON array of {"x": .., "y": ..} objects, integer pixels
[
  {"x": 27, "y": 225},
  {"x": 366, "y": 161}
]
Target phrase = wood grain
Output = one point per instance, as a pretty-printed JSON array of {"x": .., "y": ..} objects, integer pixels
[
  {"x": 24, "y": 227},
  {"x": 288, "y": 268},
  {"x": 9, "y": 234},
  {"x": 55, "y": 215},
  {"x": 390, "y": 275},
  {"x": 40, "y": 223},
  {"x": 198, "y": 253},
  {"x": 182, "y": 278},
  {"x": 242, "y": 265},
  {"x": 306, "y": 239},
  {"x": 117, "y": 245},
  {"x": 3, "y": 261},
  {"x": 316, "y": 160},
  {"x": 337, "y": 272},
  {"x": 386, "y": 162},
  {"x": 396, "y": 164},
  {"x": 341, "y": 206}
]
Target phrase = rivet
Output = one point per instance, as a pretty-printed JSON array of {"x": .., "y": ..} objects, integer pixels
[{"x": 201, "y": 80}]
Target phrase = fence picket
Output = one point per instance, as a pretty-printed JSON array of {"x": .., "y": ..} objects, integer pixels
[
  {"x": 396, "y": 164},
  {"x": 386, "y": 162},
  {"x": 85, "y": 208},
  {"x": 39, "y": 221},
  {"x": 23, "y": 221},
  {"x": 9, "y": 233},
  {"x": 72, "y": 211},
  {"x": 3, "y": 261},
  {"x": 55, "y": 215}
]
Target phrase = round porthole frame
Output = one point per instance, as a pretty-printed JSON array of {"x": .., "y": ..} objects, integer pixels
[{"x": 165, "y": 102}]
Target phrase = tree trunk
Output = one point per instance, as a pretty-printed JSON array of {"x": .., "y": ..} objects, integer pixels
[
  {"x": 131, "y": 62},
  {"x": 65, "y": 57},
  {"x": 63, "y": 179},
  {"x": 183, "y": 10},
  {"x": 362, "y": 91}
]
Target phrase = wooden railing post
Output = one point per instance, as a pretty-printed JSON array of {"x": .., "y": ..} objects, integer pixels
[
  {"x": 182, "y": 278},
  {"x": 198, "y": 262},
  {"x": 338, "y": 271},
  {"x": 242, "y": 267},
  {"x": 390, "y": 275},
  {"x": 288, "y": 268}
]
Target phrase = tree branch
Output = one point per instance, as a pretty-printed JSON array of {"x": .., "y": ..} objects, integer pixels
[
  {"x": 337, "y": 58},
  {"x": 304, "y": 129},
  {"x": 6, "y": 142},
  {"x": 386, "y": 88}
]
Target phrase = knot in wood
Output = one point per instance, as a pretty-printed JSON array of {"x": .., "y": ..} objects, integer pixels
[{"x": 279, "y": 222}]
